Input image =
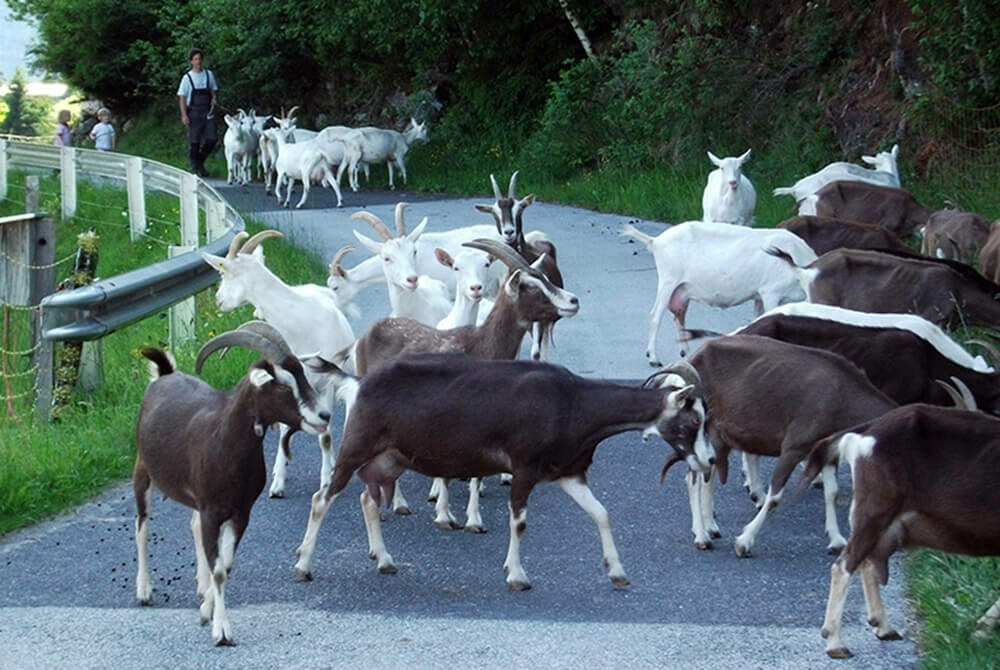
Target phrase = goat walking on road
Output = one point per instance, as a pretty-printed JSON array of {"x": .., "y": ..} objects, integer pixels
[
  {"x": 424, "y": 412},
  {"x": 204, "y": 448}
]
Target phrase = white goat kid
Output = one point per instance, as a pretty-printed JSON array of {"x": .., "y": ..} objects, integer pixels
[
  {"x": 376, "y": 145},
  {"x": 729, "y": 197},
  {"x": 885, "y": 172},
  {"x": 237, "y": 144},
  {"x": 306, "y": 316},
  {"x": 411, "y": 295}
]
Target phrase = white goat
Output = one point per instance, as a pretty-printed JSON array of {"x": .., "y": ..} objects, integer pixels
[
  {"x": 411, "y": 295},
  {"x": 376, "y": 145},
  {"x": 237, "y": 143},
  {"x": 304, "y": 161},
  {"x": 307, "y": 317},
  {"x": 257, "y": 124},
  {"x": 729, "y": 197},
  {"x": 884, "y": 173},
  {"x": 721, "y": 265}
]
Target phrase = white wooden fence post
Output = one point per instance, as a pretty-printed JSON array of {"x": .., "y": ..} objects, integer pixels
[
  {"x": 215, "y": 220},
  {"x": 3, "y": 168},
  {"x": 67, "y": 177},
  {"x": 182, "y": 314},
  {"x": 189, "y": 210},
  {"x": 136, "y": 196}
]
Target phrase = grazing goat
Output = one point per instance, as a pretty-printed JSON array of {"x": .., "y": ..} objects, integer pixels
[
  {"x": 924, "y": 476},
  {"x": 824, "y": 234},
  {"x": 412, "y": 295},
  {"x": 729, "y": 197},
  {"x": 507, "y": 212},
  {"x": 955, "y": 235},
  {"x": 891, "y": 208},
  {"x": 884, "y": 173},
  {"x": 944, "y": 292},
  {"x": 238, "y": 145},
  {"x": 424, "y": 412},
  {"x": 989, "y": 256},
  {"x": 307, "y": 317},
  {"x": 204, "y": 448},
  {"x": 811, "y": 393},
  {"x": 376, "y": 145},
  {"x": 717, "y": 264}
]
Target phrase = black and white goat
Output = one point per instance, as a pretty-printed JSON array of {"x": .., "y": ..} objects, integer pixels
[
  {"x": 924, "y": 476},
  {"x": 204, "y": 448},
  {"x": 507, "y": 212},
  {"x": 424, "y": 412}
]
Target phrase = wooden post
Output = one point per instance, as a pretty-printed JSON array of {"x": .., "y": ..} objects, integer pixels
[
  {"x": 67, "y": 178},
  {"x": 42, "y": 282},
  {"x": 136, "y": 196},
  {"x": 182, "y": 315},
  {"x": 3, "y": 168},
  {"x": 215, "y": 220}
]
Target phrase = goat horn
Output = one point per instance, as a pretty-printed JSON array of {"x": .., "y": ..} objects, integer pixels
[
  {"x": 255, "y": 241},
  {"x": 292, "y": 111},
  {"x": 264, "y": 329},
  {"x": 496, "y": 189},
  {"x": 335, "y": 268},
  {"x": 501, "y": 250},
  {"x": 681, "y": 368},
  {"x": 673, "y": 458},
  {"x": 234, "y": 246},
  {"x": 991, "y": 350},
  {"x": 376, "y": 223},
  {"x": 240, "y": 338},
  {"x": 960, "y": 393},
  {"x": 513, "y": 186},
  {"x": 400, "y": 223}
]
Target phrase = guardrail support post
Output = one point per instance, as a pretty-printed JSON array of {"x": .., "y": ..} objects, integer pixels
[
  {"x": 181, "y": 315},
  {"x": 136, "y": 196},
  {"x": 215, "y": 220},
  {"x": 189, "y": 210},
  {"x": 67, "y": 178},
  {"x": 3, "y": 168}
]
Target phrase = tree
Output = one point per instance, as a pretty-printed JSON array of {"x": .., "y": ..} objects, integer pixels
[{"x": 25, "y": 116}]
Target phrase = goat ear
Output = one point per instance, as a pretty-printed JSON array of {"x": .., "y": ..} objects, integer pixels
[
  {"x": 511, "y": 285},
  {"x": 369, "y": 244},
  {"x": 217, "y": 262},
  {"x": 871, "y": 160},
  {"x": 680, "y": 396},
  {"x": 444, "y": 258},
  {"x": 485, "y": 209},
  {"x": 537, "y": 265},
  {"x": 745, "y": 157},
  {"x": 259, "y": 377},
  {"x": 528, "y": 199}
]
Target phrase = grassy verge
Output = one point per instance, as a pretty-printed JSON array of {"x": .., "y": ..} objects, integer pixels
[{"x": 46, "y": 468}]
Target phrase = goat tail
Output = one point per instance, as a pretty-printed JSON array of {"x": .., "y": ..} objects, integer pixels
[
  {"x": 688, "y": 334},
  {"x": 628, "y": 230},
  {"x": 782, "y": 254},
  {"x": 825, "y": 451},
  {"x": 160, "y": 362},
  {"x": 784, "y": 190}
]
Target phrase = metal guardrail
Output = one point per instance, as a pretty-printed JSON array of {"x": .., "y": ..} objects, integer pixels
[{"x": 90, "y": 312}]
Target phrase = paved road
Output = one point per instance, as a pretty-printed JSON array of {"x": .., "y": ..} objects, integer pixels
[{"x": 67, "y": 594}]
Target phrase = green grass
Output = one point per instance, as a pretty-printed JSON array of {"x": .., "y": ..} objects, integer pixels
[{"x": 46, "y": 468}]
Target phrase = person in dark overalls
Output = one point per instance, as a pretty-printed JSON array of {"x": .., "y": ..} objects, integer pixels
[{"x": 196, "y": 97}]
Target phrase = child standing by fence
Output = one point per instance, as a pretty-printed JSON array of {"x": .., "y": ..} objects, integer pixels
[
  {"x": 64, "y": 135},
  {"x": 103, "y": 133}
]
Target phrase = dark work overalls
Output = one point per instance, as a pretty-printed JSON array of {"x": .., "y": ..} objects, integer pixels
[{"x": 201, "y": 129}]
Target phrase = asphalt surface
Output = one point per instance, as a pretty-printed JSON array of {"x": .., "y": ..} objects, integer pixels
[{"x": 67, "y": 597}]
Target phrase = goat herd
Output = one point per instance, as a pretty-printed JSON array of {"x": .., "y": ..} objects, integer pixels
[{"x": 849, "y": 348}]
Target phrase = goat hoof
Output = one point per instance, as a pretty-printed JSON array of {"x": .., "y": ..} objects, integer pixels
[
  {"x": 447, "y": 525},
  {"x": 620, "y": 580},
  {"x": 146, "y": 602},
  {"x": 225, "y": 642},
  {"x": 277, "y": 494},
  {"x": 473, "y": 528},
  {"x": 402, "y": 510},
  {"x": 742, "y": 551},
  {"x": 518, "y": 585},
  {"x": 303, "y": 575},
  {"x": 715, "y": 534},
  {"x": 890, "y": 636},
  {"x": 839, "y": 652},
  {"x": 387, "y": 569},
  {"x": 703, "y": 546}
]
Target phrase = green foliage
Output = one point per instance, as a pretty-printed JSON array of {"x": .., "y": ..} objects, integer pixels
[
  {"x": 960, "y": 45},
  {"x": 25, "y": 115}
]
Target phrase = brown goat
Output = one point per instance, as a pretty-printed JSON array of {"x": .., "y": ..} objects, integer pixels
[
  {"x": 203, "y": 448},
  {"x": 956, "y": 235},
  {"x": 823, "y": 234},
  {"x": 891, "y": 208},
  {"x": 989, "y": 256},
  {"x": 924, "y": 476}
]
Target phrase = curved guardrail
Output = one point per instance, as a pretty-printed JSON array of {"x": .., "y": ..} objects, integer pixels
[{"x": 90, "y": 312}]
